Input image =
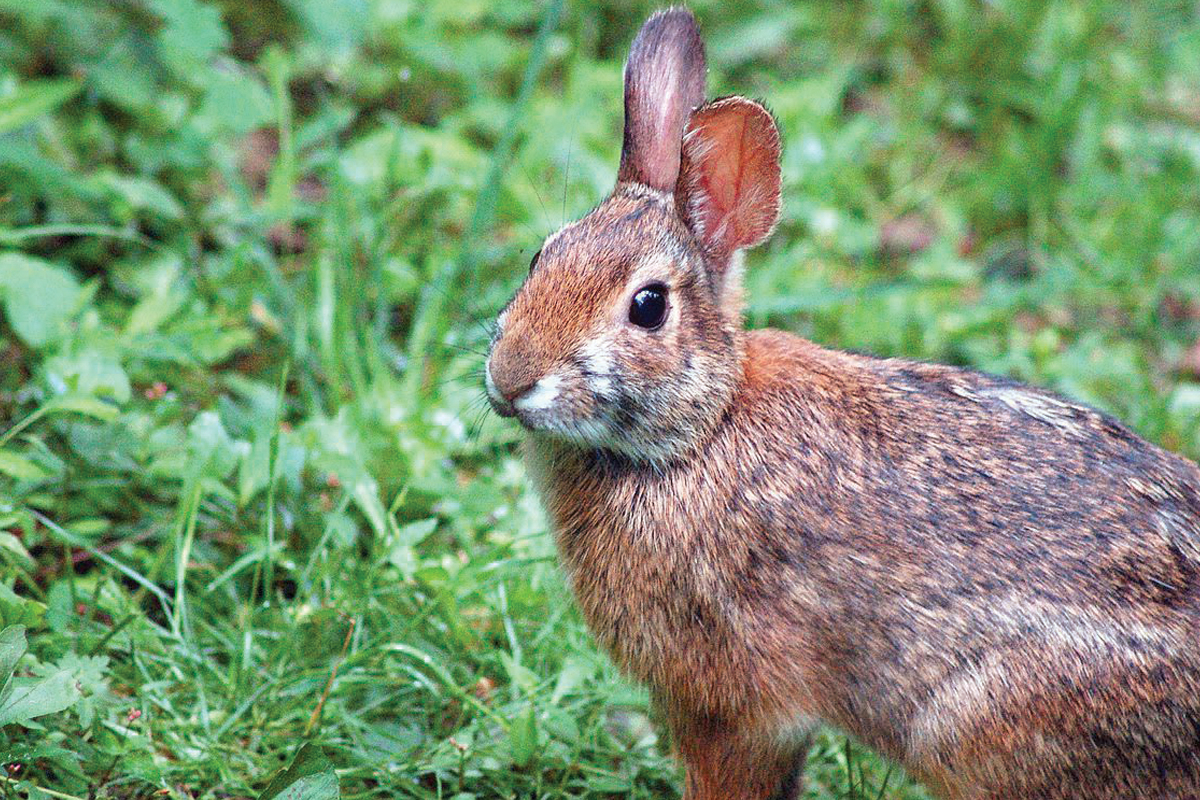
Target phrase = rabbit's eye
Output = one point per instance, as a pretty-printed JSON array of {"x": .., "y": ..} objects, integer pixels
[{"x": 648, "y": 308}]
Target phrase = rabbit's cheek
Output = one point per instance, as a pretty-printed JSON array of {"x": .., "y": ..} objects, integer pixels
[
  {"x": 561, "y": 404},
  {"x": 596, "y": 369}
]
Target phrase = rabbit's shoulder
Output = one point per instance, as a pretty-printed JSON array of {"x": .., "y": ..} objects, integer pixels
[{"x": 938, "y": 463}]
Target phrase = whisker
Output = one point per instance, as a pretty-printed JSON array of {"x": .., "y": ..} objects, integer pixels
[
  {"x": 486, "y": 322},
  {"x": 464, "y": 349},
  {"x": 533, "y": 234},
  {"x": 461, "y": 379},
  {"x": 567, "y": 172},
  {"x": 476, "y": 428},
  {"x": 532, "y": 185}
]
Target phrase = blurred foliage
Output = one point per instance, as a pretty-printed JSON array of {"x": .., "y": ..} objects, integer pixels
[{"x": 250, "y": 495}]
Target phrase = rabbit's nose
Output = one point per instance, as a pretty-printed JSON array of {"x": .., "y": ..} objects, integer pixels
[
  {"x": 507, "y": 392},
  {"x": 509, "y": 374}
]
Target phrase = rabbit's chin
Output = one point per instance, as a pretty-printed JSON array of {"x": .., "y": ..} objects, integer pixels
[
  {"x": 603, "y": 437},
  {"x": 586, "y": 432}
]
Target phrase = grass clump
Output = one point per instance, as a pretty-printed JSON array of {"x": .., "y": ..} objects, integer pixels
[{"x": 254, "y": 515}]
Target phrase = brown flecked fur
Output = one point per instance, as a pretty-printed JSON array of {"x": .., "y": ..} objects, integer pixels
[{"x": 992, "y": 585}]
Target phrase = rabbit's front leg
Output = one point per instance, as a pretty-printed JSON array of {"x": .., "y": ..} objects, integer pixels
[
  {"x": 724, "y": 762},
  {"x": 792, "y": 785}
]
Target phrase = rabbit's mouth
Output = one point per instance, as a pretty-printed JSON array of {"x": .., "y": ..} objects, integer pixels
[
  {"x": 499, "y": 403},
  {"x": 553, "y": 405},
  {"x": 535, "y": 405}
]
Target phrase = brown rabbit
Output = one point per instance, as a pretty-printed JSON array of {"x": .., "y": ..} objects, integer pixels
[{"x": 994, "y": 586}]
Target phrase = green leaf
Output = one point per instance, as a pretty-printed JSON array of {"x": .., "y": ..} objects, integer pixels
[
  {"x": 140, "y": 194},
  {"x": 192, "y": 35},
  {"x": 33, "y": 100},
  {"x": 85, "y": 404},
  {"x": 414, "y": 533},
  {"x": 27, "y": 752},
  {"x": 31, "y": 697},
  {"x": 19, "y": 467},
  {"x": 523, "y": 738},
  {"x": 12, "y": 647},
  {"x": 89, "y": 372},
  {"x": 153, "y": 310},
  {"x": 401, "y": 554},
  {"x": 235, "y": 101},
  {"x": 342, "y": 30},
  {"x": 19, "y": 611},
  {"x": 309, "y": 777},
  {"x": 37, "y": 295},
  {"x": 15, "y": 548},
  {"x": 521, "y": 676},
  {"x": 576, "y": 671},
  {"x": 212, "y": 452}
]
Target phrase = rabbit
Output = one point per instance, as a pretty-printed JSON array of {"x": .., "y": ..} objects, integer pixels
[{"x": 996, "y": 587}]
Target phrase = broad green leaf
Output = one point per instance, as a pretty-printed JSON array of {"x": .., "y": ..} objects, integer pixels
[
  {"x": 153, "y": 310},
  {"x": 310, "y": 776},
  {"x": 34, "y": 99},
  {"x": 35, "y": 697},
  {"x": 88, "y": 373},
  {"x": 416, "y": 532},
  {"x": 520, "y": 675},
  {"x": 365, "y": 491},
  {"x": 27, "y": 752},
  {"x": 15, "y": 547},
  {"x": 235, "y": 101},
  {"x": 523, "y": 737},
  {"x": 37, "y": 295},
  {"x": 18, "y": 466},
  {"x": 576, "y": 671},
  {"x": 401, "y": 554},
  {"x": 337, "y": 31},
  {"x": 561, "y": 724},
  {"x": 19, "y": 611},
  {"x": 193, "y": 34},
  {"x": 135, "y": 194},
  {"x": 212, "y": 452},
  {"x": 12, "y": 647},
  {"x": 85, "y": 404}
]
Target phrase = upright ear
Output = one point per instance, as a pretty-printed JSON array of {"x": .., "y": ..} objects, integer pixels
[
  {"x": 728, "y": 190},
  {"x": 664, "y": 82}
]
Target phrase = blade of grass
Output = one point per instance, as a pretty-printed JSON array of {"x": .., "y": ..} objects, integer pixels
[
  {"x": 69, "y": 538},
  {"x": 14, "y": 237},
  {"x": 185, "y": 536}
]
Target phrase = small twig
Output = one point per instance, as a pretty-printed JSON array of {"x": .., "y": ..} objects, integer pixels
[{"x": 312, "y": 721}]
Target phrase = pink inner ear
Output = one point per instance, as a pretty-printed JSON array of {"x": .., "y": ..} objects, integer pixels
[{"x": 729, "y": 184}]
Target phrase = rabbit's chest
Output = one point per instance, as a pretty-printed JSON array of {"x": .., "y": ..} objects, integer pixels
[{"x": 639, "y": 556}]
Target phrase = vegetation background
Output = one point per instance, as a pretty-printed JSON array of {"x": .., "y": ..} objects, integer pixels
[{"x": 250, "y": 496}]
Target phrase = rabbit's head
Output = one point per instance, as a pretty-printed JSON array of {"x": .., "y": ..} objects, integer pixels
[{"x": 626, "y": 335}]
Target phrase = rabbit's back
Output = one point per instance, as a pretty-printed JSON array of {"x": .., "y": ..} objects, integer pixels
[
  {"x": 946, "y": 563},
  {"x": 978, "y": 485}
]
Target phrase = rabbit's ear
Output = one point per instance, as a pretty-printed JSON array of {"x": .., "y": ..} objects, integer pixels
[
  {"x": 728, "y": 190},
  {"x": 664, "y": 82}
]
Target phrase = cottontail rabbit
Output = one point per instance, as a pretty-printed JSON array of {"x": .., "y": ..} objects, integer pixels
[{"x": 994, "y": 586}]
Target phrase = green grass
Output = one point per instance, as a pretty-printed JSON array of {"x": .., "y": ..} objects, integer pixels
[{"x": 250, "y": 496}]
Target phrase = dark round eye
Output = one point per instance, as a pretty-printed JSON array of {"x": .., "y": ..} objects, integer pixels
[{"x": 648, "y": 308}]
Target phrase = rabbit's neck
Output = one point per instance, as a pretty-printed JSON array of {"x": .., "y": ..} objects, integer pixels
[{"x": 649, "y": 562}]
